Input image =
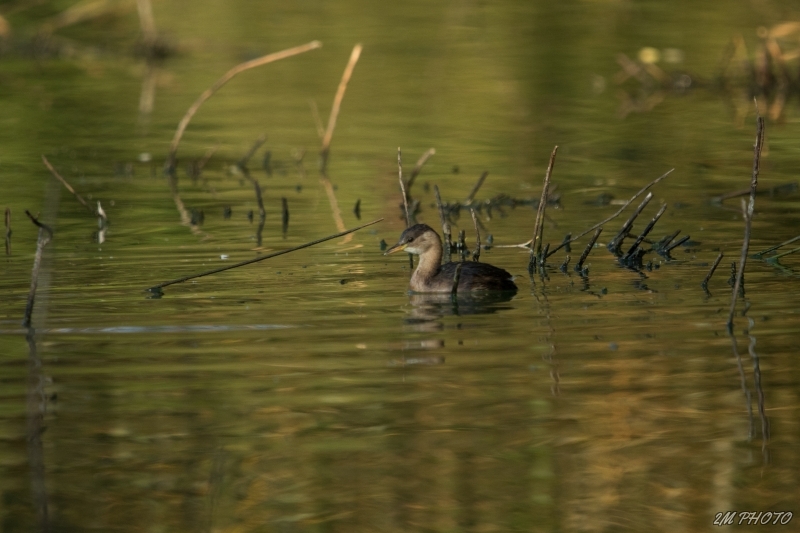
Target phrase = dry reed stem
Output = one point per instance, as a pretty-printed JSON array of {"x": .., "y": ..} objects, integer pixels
[
  {"x": 208, "y": 93},
  {"x": 747, "y": 211},
  {"x": 538, "y": 228},
  {"x": 402, "y": 185},
  {"x": 337, "y": 102}
]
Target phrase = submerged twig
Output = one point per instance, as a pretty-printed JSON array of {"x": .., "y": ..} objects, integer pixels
[
  {"x": 615, "y": 215},
  {"x": 477, "y": 254},
  {"x": 156, "y": 288},
  {"x": 208, "y": 93},
  {"x": 445, "y": 224},
  {"x": 337, "y": 103},
  {"x": 760, "y": 255},
  {"x": 747, "y": 211},
  {"x": 45, "y": 236},
  {"x": 538, "y": 228},
  {"x": 77, "y": 196},
  {"x": 704, "y": 283}
]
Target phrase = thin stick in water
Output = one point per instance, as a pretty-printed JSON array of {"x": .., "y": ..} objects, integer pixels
[
  {"x": 8, "y": 230},
  {"x": 538, "y": 228},
  {"x": 587, "y": 250},
  {"x": 445, "y": 224},
  {"x": 156, "y": 288},
  {"x": 615, "y": 215},
  {"x": 402, "y": 185},
  {"x": 747, "y": 211},
  {"x": 462, "y": 244},
  {"x": 614, "y": 244},
  {"x": 760, "y": 255},
  {"x": 284, "y": 215},
  {"x": 647, "y": 230},
  {"x": 477, "y": 254},
  {"x": 705, "y": 281},
  {"x": 337, "y": 103},
  {"x": 418, "y": 167},
  {"x": 58, "y": 176},
  {"x": 208, "y": 93},
  {"x": 677, "y": 243},
  {"x": 476, "y": 187},
  {"x": 45, "y": 235}
]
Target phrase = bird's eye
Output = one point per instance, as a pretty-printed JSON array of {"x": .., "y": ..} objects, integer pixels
[{"x": 410, "y": 239}]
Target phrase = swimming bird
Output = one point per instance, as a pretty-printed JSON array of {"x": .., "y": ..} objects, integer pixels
[{"x": 431, "y": 276}]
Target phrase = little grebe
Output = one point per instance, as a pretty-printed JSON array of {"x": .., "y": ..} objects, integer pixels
[{"x": 432, "y": 276}]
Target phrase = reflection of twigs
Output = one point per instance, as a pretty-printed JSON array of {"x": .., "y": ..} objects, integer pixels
[
  {"x": 477, "y": 186},
  {"x": 77, "y": 196},
  {"x": 745, "y": 389},
  {"x": 242, "y": 163},
  {"x": 538, "y": 228},
  {"x": 762, "y": 412},
  {"x": 156, "y": 288},
  {"x": 173, "y": 147},
  {"x": 36, "y": 407},
  {"x": 45, "y": 235},
  {"x": 317, "y": 119},
  {"x": 337, "y": 103},
  {"x": 418, "y": 167},
  {"x": 615, "y": 215},
  {"x": 748, "y": 217}
]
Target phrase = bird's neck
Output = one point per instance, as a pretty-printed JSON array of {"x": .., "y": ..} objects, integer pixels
[{"x": 429, "y": 265}]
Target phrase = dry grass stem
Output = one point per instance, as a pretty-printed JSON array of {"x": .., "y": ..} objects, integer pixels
[{"x": 208, "y": 93}]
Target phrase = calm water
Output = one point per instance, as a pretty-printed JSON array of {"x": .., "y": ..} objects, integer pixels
[{"x": 310, "y": 392}]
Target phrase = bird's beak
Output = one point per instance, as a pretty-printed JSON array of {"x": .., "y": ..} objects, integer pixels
[{"x": 399, "y": 247}]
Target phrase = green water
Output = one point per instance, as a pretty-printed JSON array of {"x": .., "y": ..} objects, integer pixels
[{"x": 310, "y": 392}]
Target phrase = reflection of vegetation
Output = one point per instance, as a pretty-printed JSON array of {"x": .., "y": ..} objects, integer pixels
[{"x": 768, "y": 74}]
